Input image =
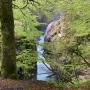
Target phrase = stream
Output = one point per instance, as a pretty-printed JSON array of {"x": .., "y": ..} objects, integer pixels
[{"x": 42, "y": 71}]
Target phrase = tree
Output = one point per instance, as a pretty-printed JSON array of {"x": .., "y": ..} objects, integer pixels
[
  {"x": 71, "y": 53},
  {"x": 8, "y": 68}
]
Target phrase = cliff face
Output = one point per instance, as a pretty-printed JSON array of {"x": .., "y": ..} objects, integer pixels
[{"x": 55, "y": 29}]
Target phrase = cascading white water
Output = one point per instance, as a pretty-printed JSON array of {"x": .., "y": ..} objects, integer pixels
[{"x": 42, "y": 71}]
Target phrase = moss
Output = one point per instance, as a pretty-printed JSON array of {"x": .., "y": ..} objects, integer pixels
[{"x": 8, "y": 68}]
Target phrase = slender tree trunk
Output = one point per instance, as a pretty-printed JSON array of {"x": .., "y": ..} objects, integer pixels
[{"x": 8, "y": 68}]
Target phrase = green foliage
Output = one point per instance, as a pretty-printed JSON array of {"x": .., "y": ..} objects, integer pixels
[
  {"x": 27, "y": 61},
  {"x": 25, "y": 21},
  {"x": 64, "y": 51},
  {"x": 25, "y": 26},
  {"x": 72, "y": 52},
  {"x": 26, "y": 57},
  {"x": 58, "y": 83},
  {"x": 79, "y": 14},
  {"x": 76, "y": 84},
  {"x": 80, "y": 83},
  {"x": 67, "y": 58}
]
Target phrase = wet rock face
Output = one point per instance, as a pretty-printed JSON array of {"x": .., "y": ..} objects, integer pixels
[
  {"x": 55, "y": 30},
  {"x": 49, "y": 27}
]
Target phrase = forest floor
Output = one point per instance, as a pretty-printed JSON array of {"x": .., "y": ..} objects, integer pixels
[{"x": 32, "y": 85}]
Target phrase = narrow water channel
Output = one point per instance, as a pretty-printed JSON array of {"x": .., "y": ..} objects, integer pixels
[{"x": 42, "y": 71}]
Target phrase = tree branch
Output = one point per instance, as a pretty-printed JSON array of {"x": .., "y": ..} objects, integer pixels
[{"x": 19, "y": 9}]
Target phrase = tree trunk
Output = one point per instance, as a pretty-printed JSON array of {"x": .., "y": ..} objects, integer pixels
[{"x": 8, "y": 68}]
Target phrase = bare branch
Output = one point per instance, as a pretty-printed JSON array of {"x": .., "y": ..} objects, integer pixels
[
  {"x": 19, "y": 9},
  {"x": 25, "y": 5}
]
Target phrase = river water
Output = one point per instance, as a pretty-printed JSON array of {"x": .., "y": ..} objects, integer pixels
[{"x": 42, "y": 71}]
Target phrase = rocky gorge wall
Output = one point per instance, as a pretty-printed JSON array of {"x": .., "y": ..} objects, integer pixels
[{"x": 55, "y": 29}]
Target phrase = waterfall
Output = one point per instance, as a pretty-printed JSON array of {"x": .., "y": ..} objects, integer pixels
[{"x": 42, "y": 71}]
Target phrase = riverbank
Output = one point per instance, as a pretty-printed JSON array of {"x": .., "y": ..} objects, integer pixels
[{"x": 32, "y": 85}]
